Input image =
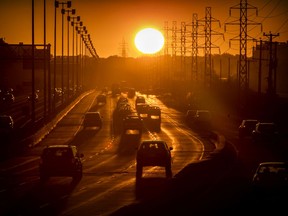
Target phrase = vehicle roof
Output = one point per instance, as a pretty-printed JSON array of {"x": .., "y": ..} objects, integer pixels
[
  {"x": 92, "y": 112},
  {"x": 250, "y": 120},
  {"x": 5, "y": 116},
  {"x": 273, "y": 163},
  {"x": 61, "y": 146},
  {"x": 203, "y": 111},
  {"x": 266, "y": 123},
  {"x": 153, "y": 141}
]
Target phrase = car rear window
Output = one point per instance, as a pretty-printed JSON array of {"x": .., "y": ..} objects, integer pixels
[{"x": 58, "y": 153}]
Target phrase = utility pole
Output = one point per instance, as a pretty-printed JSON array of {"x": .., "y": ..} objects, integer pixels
[
  {"x": 243, "y": 38},
  {"x": 123, "y": 48},
  {"x": 272, "y": 64},
  {"x": 194, "y": 48},
  {"x": 208, "y": 32},
  {"x": 260, "y": 69}
]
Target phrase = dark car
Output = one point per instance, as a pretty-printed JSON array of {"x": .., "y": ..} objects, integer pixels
[
  {"x": 271, "y": 176},
  {"x": 60, "y": 160},
  {"x": 139, "y": 99},
  {"x": 154, "y": 118},
  {"x": 8, "y": 98},
  {"x": 202, "y": 119},
  {"x": 133, "y": 122},
  {"x": 153, "y": 153},
  {"x": 246, "y": 127},
  {"x": 143, "y": 110},
  {"x": 35, "y": 97},
  {"x": 101, "y": 98},
  {"x": 6, "y": 124},
  {"x": 190, "y": 116},
  {"x": 265, "y": 132},
  {"x": 92, "y": 119}
]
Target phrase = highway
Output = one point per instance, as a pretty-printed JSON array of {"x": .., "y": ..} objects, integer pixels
[{"x": 108, "y": 181}]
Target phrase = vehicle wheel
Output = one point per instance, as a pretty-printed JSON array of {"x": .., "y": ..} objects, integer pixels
[
  {"x": 43, "y": 178},
  {"x": 168, "y": 171},
  {"x": 139, "y": 171},
  {"x": 77, "y": 176}
]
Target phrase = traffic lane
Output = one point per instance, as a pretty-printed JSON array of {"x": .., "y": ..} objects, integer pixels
[
  {"x": 51, "y": 200},
  {"x": 111, "y": 174},
  {"x": 20, "y": 176},
  {"x": 190, "y": 191}
]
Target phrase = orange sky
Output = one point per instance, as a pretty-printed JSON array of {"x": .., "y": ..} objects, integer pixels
[{"x": 110, "y": 21}]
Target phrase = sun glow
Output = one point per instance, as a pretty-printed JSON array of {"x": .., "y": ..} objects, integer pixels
[{"x": 149, "y": 41}]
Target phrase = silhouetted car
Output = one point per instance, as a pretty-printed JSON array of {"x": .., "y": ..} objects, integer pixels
[
  {"x": 190, "y": 116},
  {"x": 154, "y": 118},
  {"x": 133, "y": 122},
  {"x": 246, "y": 127},
  {"x": 271, "y": 176},
  {"x": 6, "y": 124},
  {"x": 92, "y": 119},
  {"x": 153, "y": 153},
  {"x": 131, "y": 92},
  {"x": 202, "y": 119},
  {"x": 265, "y": 132},
  {"x": 139, "y": 99},
  {"x": 8, "y": 98},
  {"x": 30, "y": 97},
  {"x": 101, "y": 98},
  {"x": 60, "y": 160},
  {"x": 142, "y": 110}
]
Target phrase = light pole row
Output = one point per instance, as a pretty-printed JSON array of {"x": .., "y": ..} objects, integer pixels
[{"x": 82, "y": 31}]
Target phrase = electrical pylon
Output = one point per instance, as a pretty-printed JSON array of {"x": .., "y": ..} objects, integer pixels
[
  {"x": 243, "y": 38},
  {"x": 123, "y": 49},
  {"x": 208, "y": 32}
]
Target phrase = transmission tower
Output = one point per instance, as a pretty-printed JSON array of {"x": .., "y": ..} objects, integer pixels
[
  {"x": 272, "y": 63},
  {"x": 174, "y": 39},
  {"x": 208, "y": 32},
  {"x": 194, "y": 48},
  {"x": 123, "y": 47},
  {"x": 166, "y": 32},
  {"x": 243, "y": 38}
]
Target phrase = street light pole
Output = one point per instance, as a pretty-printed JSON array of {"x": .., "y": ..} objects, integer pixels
[
  {"x": 68, "y": 4},
  {"x": 73, "y": 48},
  {"x": 56, "y": 5},
  {"x": 73, "y": 11},
  {"x": 80, "y": 30},
  {"x": 87, "y": 42},
  {"x": 33, "y": 69}
]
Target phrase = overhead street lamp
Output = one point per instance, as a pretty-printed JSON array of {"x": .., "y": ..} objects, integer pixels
[
  {"x": 90, "y": 46},
  {"x": 68, "y": 4},
  {"x": 80, "y": 30},
  {"x": 72, "y": 11},
  {"x": 86, "y": 40},
  {"x": 73, "y": 23}
]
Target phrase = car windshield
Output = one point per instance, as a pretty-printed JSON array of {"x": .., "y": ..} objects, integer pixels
[
  {"x": 266, "y": 128},
  {"x": 4, "y": 121},
  {"x": 52, "y": 153},
  {"x": 250, "y": 123},
  {"x": 276, "y": 168},
  {"x": 203, "y": 114},
  {"x": 153, "y": 146},
  {"x": 93, "y": 116}
]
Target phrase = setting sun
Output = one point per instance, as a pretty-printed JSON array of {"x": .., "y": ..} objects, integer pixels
[{"x": 149, "y": 41}]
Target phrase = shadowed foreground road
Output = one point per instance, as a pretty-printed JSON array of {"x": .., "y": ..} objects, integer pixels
[{"x": 214, "y": 186}]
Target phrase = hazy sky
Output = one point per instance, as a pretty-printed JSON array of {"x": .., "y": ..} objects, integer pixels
[{"x": 110, "y": 21}]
